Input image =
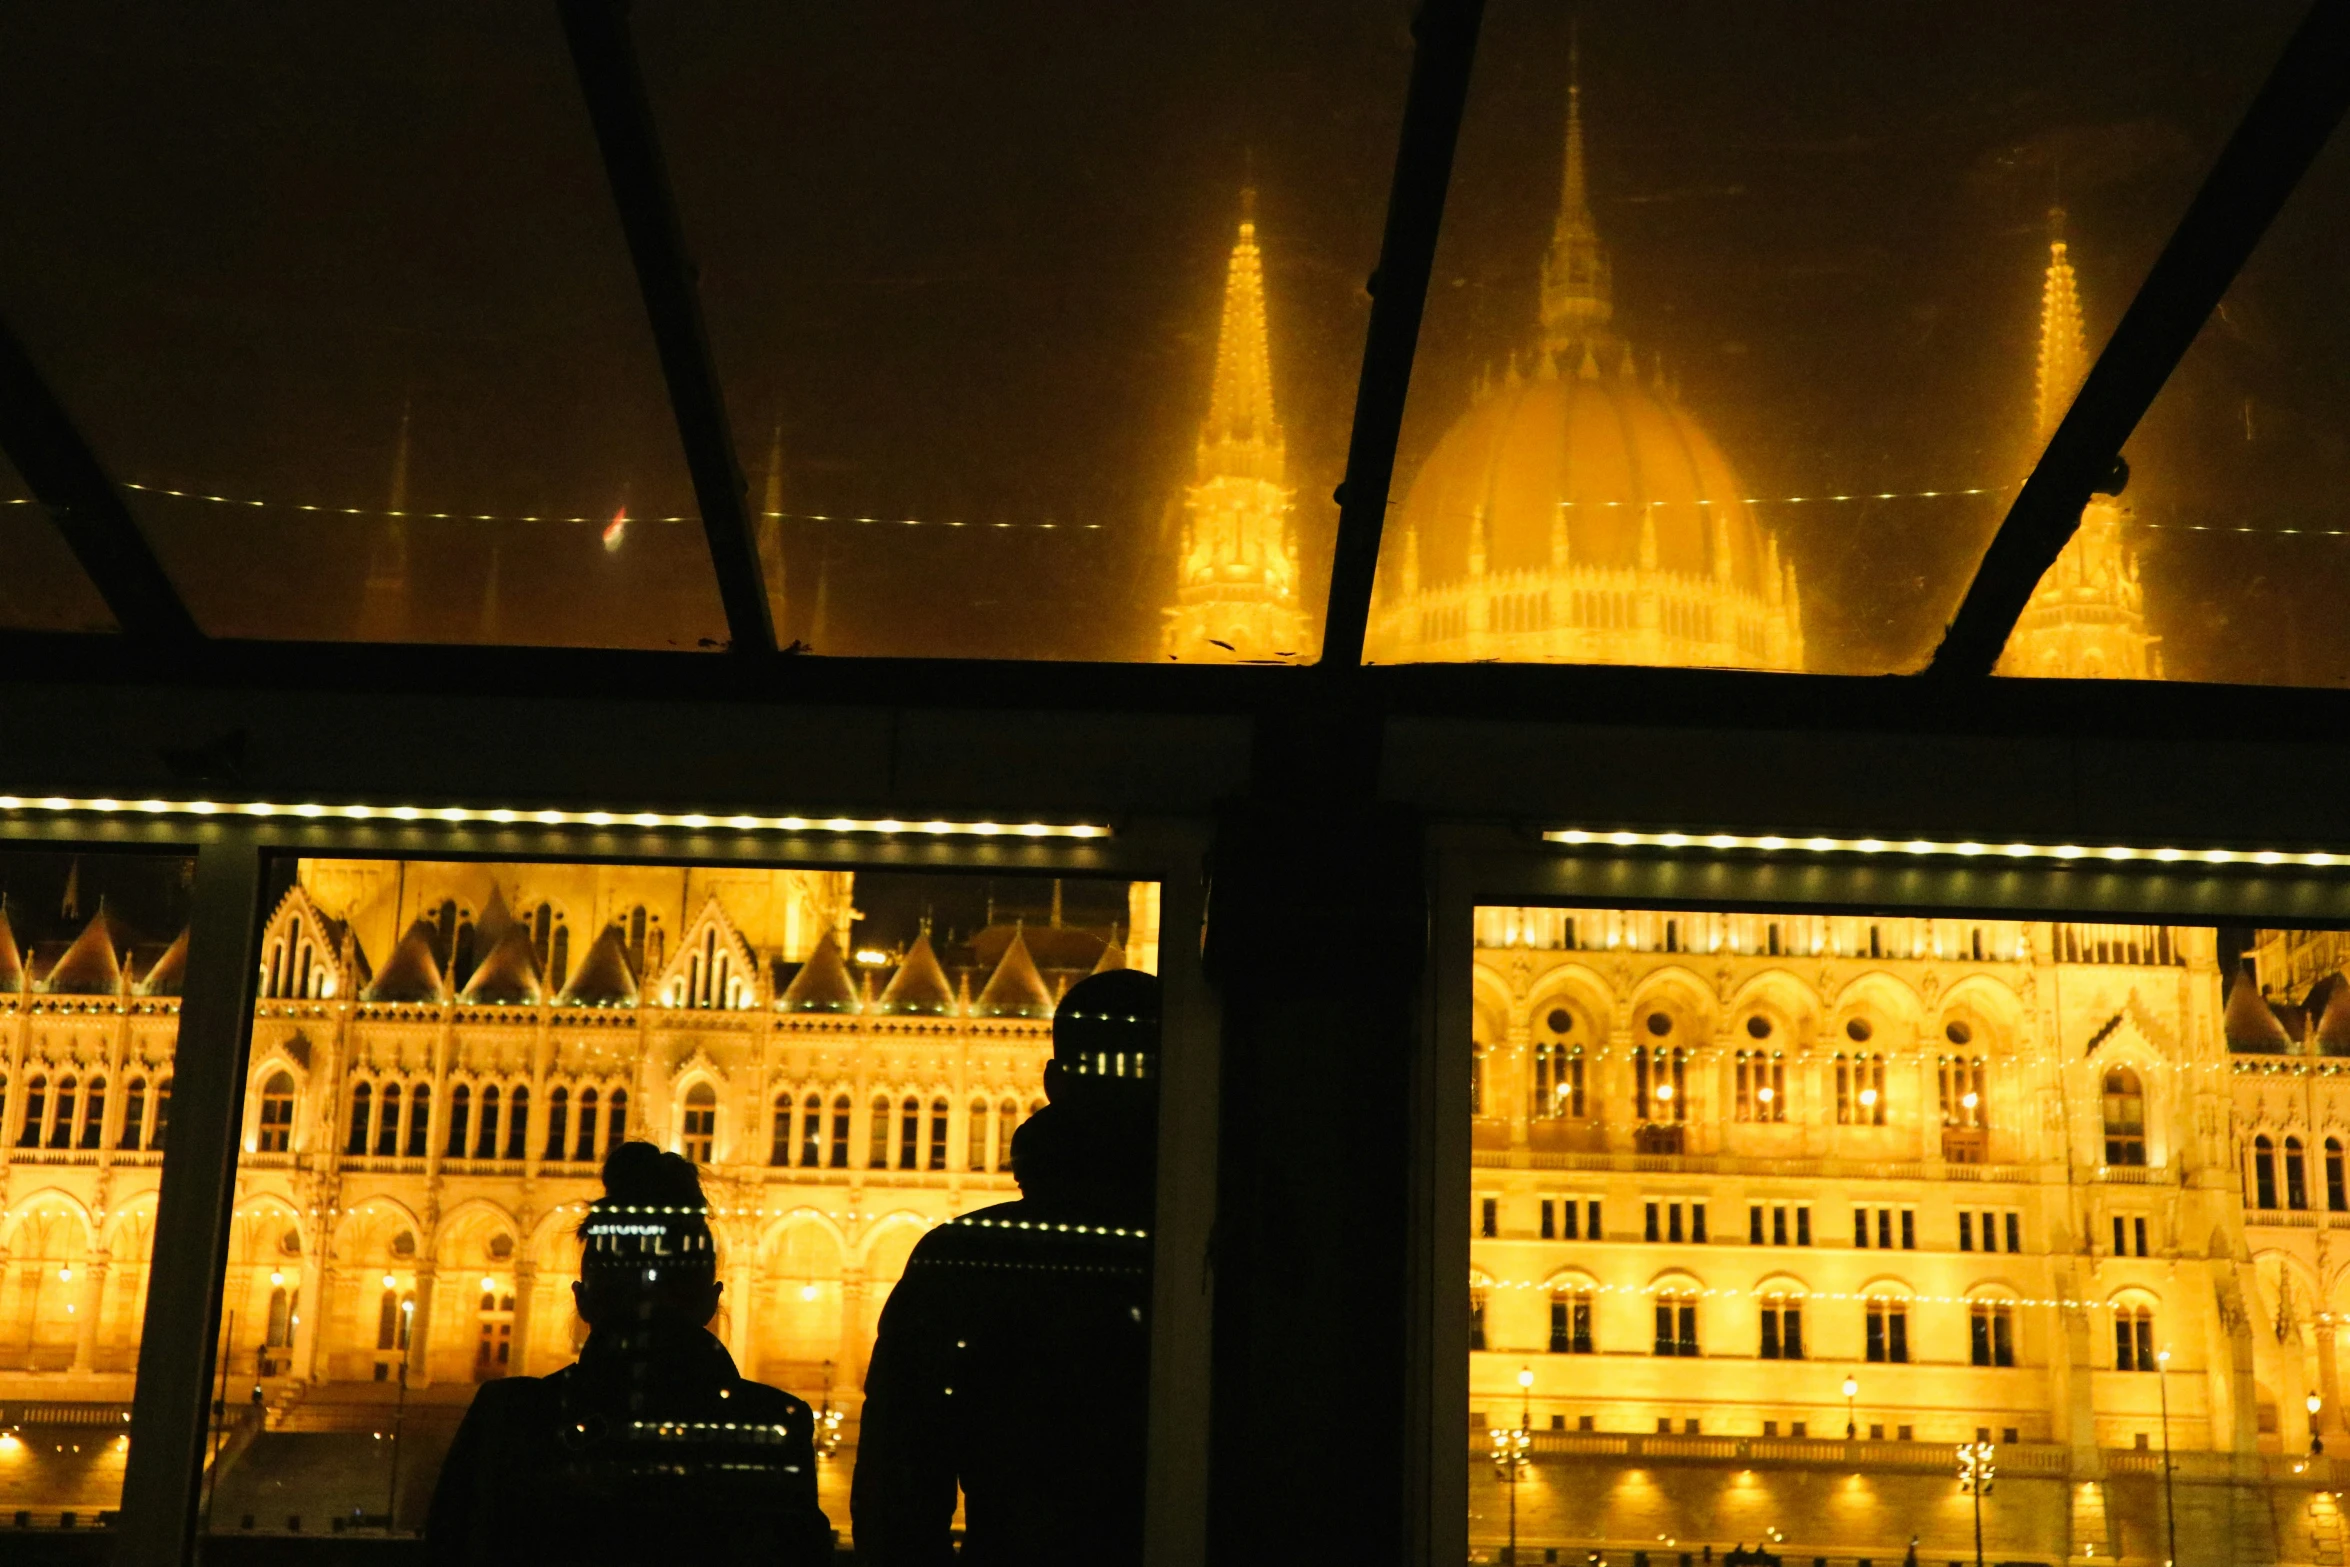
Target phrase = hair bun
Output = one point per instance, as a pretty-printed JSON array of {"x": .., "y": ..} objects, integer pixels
[{"x": 640, "y": 1174}]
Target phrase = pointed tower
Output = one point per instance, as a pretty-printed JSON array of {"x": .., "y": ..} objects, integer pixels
[
  {"x": 383, "y": 599},
  {"x": 1577, "y": 286},
  {"x": 771, "y": 532},
  {"x": 1236, "y": 575},
  {"x": 2087, "y": 618}
]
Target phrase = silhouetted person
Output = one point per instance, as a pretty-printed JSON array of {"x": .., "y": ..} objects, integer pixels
[
  {"x": 652, "y": 1448},
  {"x": 1014, "y": 1355}
]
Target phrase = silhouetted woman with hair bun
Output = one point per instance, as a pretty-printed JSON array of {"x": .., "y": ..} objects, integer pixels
[{"x": 652, "y": 1447}]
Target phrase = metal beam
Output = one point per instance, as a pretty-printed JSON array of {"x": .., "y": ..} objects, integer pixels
[
  {"x": 1446, "y": 36},
  {"x": 66, "y": 477},
  {"x": 604, "y": 55},
  {"x": 177, "y": 1340},
  {"x": 2281, "y": 134}
]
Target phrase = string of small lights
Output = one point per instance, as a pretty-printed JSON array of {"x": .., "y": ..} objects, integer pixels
[
  {"x": 1670, "y": 1292},
  {"x": 1922, "y": 848},
  {"x": 599, "y": 521},
  {"x": 1793, "y": 500}
]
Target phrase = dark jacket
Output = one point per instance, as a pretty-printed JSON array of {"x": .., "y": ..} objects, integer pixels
[
  {"x": 630, "y": 1457},
  {"x": 1013, "y": 1362}
]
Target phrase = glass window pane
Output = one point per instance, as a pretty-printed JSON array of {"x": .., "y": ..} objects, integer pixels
[
  {"x": 93, "y": 948},
  {"x": 460, "y": 1047},
  {"x": 2091, "y": 1050},
  {"x": 1751, "y": 379},
  {"x": 348, "y": 305},
  {"x": 42, "y": 587},
  {"x": 1008, "y": 374},
  {"x": 2235, "y": 472}
]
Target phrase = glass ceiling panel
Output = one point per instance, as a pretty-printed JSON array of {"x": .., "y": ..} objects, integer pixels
[
  {"x": 1008, "y": 374},
  {"x": 42, "y": 587},
  {"x": 2234, "y": 521},
  {"x": 344, "y": 298},
  {"x": 1752, "y": 380}
]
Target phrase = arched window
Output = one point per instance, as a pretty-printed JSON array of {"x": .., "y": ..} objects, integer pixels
[
  {"x": 419, "y": 1120},
  {"x": 362, "y": 1106},
  {"x": 1476, "y": 1316},
  {"x": 134, "y": 1114},
  {"x": 877, "y": 1135},
  {"x": 1762, "y": 1085},
  {"x": 841, "y": 1111},
  {"x": 387, "y": 1121},
  {"x": 94, "y": 1113},
  {"x": 700, "y": 1139},
  {"x": 779, "y": 1142},
  {"x": 558, "y": 1124},
  {"x": 2296, "y": 1176},
  {"x": 1782, "y": 1328},
  {"x": 518, "y": 1123},
  {"x": 2337, "y": 1200},
  {"x": 1676, "y": 1325},
  {"x": 36, "y": 1110},
  {"x": 1962, "y": 1090},
  {"x": 162, "y": 1112},
  {"x": 636, "y": 936},
  {"x": 2264, "y": 1173},
  {"x": 909, "y": 1132},
  {"x": 1991, "y": 1333},
  {"x": 584, "y": 1149},
  {"x": 485, "y": 1144},
  {"x": 812, "y": 1131},
  {"x": 2133, "y": 1340},
  {"x": 61, "y": 1124},
  {"x": 615, "y": 1119},
  {"x": 460, "y": 1119},
  {"x": 559, "y": 963},
  {"x": 1007, "y": 1120},
  {"x": 277, "y": 1113},
  {"x": 938, "y": 1134},
  {"x": 1570, "y": 1322},
  {"x": 2125, "y": 1119},
  {"x": 1860, "y": 1085},
  {"x": 975, "y": 1136},
  {"x": 280, "y": 1333},
  {"x": 1887, "y": 1325},
  {"x": 1558, "y": 1066},
  {"x": 1660, "y": 1082}
]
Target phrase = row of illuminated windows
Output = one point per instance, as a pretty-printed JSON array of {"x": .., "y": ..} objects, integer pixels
[
  {"x": 1568, "y": 930},
  {"x": 811, "y": 1134},
  {"x": 1758, "y": 1091},
  {"x": 1776, "y": 1224},
  {"x": 1991, "y": 1332},
  {"x": 392, "y": 1120},
  {"x": 76, "y": 1112},
  {"x": 2294, "y": 1166}
]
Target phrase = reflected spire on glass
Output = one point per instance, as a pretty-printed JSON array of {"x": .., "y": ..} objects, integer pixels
[
  {"x": 383, "y": 598},
  {"x": 1236, "y": 577},
  {"x": 1577, "y": 297},
  {"x": 771, "y": 530},
  {"x": 2087, "y": 618}
]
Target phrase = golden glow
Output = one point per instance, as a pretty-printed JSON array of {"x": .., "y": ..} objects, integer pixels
[
  {"x": 1931, "y": 848},
  {"x": 889, "y": 827}
]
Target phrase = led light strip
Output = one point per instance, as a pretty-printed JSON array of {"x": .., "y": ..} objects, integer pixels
[
  {"x": 1923, "y": 848},
  {"x": 886, "y": 827}
]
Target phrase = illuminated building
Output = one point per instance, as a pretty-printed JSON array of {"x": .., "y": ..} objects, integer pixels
[
  {"x": 1236, "y": 568},
  {"x": 1578, "y": 512},
  {"x": 2087, "y": 618},
  {"x": 441, "y": 1056},
  {"x": 1984, "y": 1169}
]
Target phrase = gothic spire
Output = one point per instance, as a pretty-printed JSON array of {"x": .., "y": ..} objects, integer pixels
[
  {"x": 2063, "y": 359},
  {"x": 1577, "y": 298},
  {"x": 1240, "y": 436}
]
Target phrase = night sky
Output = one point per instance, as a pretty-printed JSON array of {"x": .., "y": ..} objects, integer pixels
[{"x": 967, "y": 258}]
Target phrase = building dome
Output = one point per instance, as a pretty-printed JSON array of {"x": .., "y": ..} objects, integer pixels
[{"x": 1578, "y": 513}]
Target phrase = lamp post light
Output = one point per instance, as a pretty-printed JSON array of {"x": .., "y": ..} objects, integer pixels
[
  {"x": 1975, "y": 1473},
  {"x": 1851, "y": 1411},
  {"x": 2316, "y": 1443},
  {"x": 2170, "y": 1512},
  {"x": 1513, "y": 1450}
]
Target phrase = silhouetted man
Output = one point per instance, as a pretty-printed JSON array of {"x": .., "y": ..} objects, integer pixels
[
  {"x": 652, "y": 1448},
  {"x": 1014, "y": 1356}
]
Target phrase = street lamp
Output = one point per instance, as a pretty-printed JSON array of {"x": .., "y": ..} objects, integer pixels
[
  {"x": 1513, "y": 1450},
  {"x": 2170, "y": 1512},
  {"x": 1975, "y": 1473},
  {"x": 2316, "y": 1443},
  {"x": 1851, "y": 1416}
]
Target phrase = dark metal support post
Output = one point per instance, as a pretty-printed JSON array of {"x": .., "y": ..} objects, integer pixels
[
  {"x": 605, "y": 57},
  {"x": 66, "y": 477},
  {"x": 180, "y": 1335},
  {"x": 1446, "y": 36},
  {"x": 2281, "y": 134}
]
